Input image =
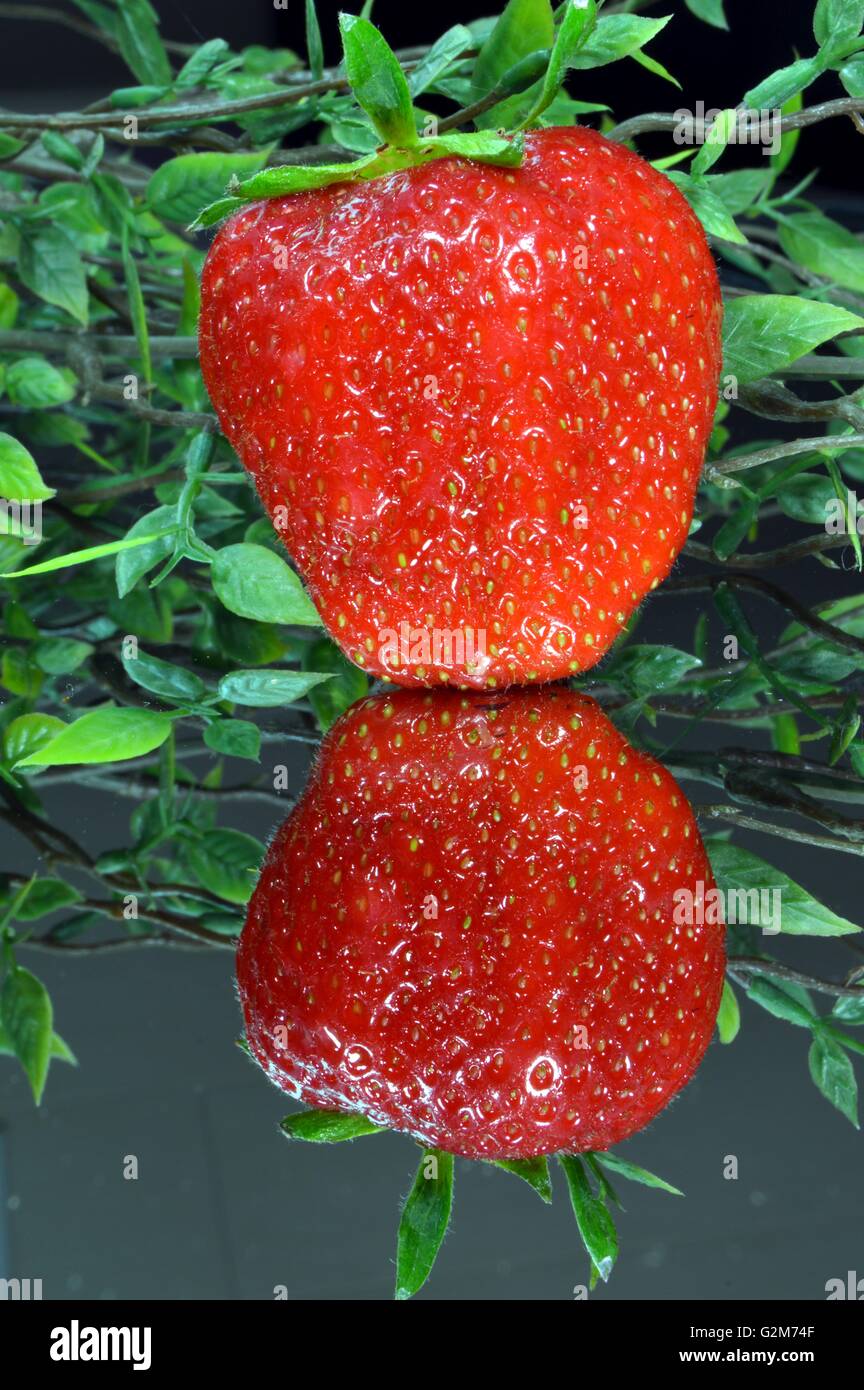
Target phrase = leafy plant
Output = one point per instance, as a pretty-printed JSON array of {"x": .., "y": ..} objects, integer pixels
[{"x": 150, "y": 615}]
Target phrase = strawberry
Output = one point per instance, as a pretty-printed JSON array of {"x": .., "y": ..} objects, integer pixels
[
  {"x": 474, "y": 400},
  {"x": 467, "y": 928}
]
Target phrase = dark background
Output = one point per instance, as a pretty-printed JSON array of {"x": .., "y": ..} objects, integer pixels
[{"x": 223, "y": 1207}]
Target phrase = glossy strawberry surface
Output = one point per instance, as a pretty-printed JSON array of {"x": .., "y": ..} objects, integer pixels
[
  {"x": 473, "y": 399},
  {"x": 467, "y": 928}
]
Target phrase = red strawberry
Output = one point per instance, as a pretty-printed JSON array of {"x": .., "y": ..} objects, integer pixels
[
  {"x": 466, "y": 930},
  {"x": 472, "y": 399}
]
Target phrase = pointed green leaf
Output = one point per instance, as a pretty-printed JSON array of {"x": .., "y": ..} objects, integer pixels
[
  {"x": 728, "y": 1015},
  {"x": 534, "y": 1171},
  {"x": 753, "y": 890},
  {"x": 617, "y": 36},
  {"x": 596, "y": 1226},
  {"x": 762, "y": 333},
  {"x": 253, "y": 582},
  {"x": 83, "y": 557},
  {"x": 574, "y": 28},
  {"x": 140, "y": 44},
  {"x": 774, "y": 997},
  {"x": 630, "y": 1170},
  {"x": 182, "y": 186},
  {"x": 425, "y": 1218},
  {"x": 314, "y": 46},
  {"x": 263, "y": 688},
  {"x": 104, "y": 736},
  {"x": 26, "y": 1017},
  {"x": 833, "y": 1074},
  {"x": 20, "y": 479},
  {"x": 377, "y": 80},
  {"x": 50, "y": 265},
  {"x": 163, "y": 679},
  {"x": 525, "y": 27},
  {"x": 327, "y": 1126},
  {"x": 709, "y": 10}
]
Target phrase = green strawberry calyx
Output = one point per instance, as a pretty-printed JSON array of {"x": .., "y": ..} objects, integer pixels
[{"x": 381, "y": 89}]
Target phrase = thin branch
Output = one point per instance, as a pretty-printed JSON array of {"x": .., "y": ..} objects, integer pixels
[
  {"x": 667, "y": 120},
  {"x": 736, "y": 817},
  {"x": 752, "y": 965},
  {"x": 723, "y": 467},
  {"x": 768, "y": 559}
]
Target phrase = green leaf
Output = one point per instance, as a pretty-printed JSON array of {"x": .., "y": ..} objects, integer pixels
[
  {"x": 377, "y": 80},
  {"x": 716, "y": 139},
  {"x": 265, "y": 688},
  {"x": 153, "y": 536},
  {"x": 574, "y": 30},
  {"x": 625, "y": 1169},
  {"x": 50, "y": 265},
  {"x": 789, "y": 139},
  {"x": 729, "y": 1015},
  {"x": 832, "y": 1073},
  {"x": 596, "y": 1226},
  {"x": 27, "y": 1018},
  {"x": 104, "y": 736},
  {"x": 180, "y": 187},
  {"x": 852, "y": 76},
  {"x": 823, "y": 246},
  {"x": 28, "y": 733},
  {"x": 534, "y": 1171},
  {"x": 254, "y": 583},
  {"x": 59, "y": 656},
  {"x": 709, "y": 10},
  {"x": 10, "y": 146},
  {"x": 784, "y": 84},
  {"x": 779, "y": 1001},
  {"x": 314, "y": 46},
  {"x": 331, "y": 698},
  {"x": 327, "y": 1126},
  {"x": 849, "y": 1010},
  {"x": 711, "y": 210},
  {"x": 806, "y": 497},
  {"x": 140, "y": 44},
  {"x": 227, "y": 862},
  {"x": 762, "y": 333},
  {"x": 746, "y": 881},
  {"x": 35, "y": 383},
  {"x": 20, "y": 479},
  {"x": 235, "y": 738},
  {"x": 425, "y": 1218},
  {"x": 62, "y": 1051},
  {"x": 618, "y": 36},
  {"x": 9, "y": 304},
  {"x": 525, "y": 27},
  {"x": 46, "y": 895},
  {"x": 739, "y": 190},
  {"x": 837, "y": 23},
  {"x": 164, "y": 679},
  {"x": 83, "y": 557},
  {"x": 59, "y": 1048},
  {"x": 200, "y": 65},
  {"x": 18, "y": 674},
  {"x": 493, "y": 149},
  {"x": 441, "y": 56},
  {"x": 644, "y": 670}
]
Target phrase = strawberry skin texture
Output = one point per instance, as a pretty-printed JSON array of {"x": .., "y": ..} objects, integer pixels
[
  {"x": 548, "y": 1001},
  {"x": 472, "y": 398}
]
